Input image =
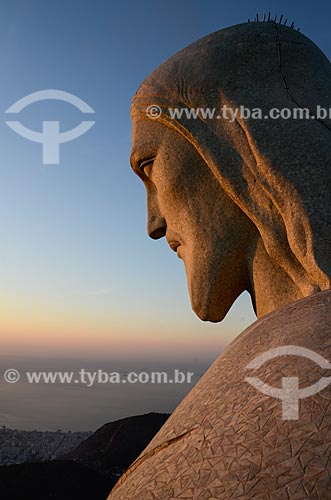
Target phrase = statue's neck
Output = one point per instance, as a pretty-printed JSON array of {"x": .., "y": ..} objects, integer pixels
[{"x": 271, "y": 287}]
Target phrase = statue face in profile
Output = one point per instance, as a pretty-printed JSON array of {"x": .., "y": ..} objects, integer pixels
[
  {"x": 187, "y": 205},
  {"x": 245, "y": 204}
]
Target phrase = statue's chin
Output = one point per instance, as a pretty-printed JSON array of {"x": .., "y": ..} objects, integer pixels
[
  {"x": 209, "y": 313},
  {"x": 207, "y": 298},
  {"x": 210, "y": 303},
  {"x": 212, "y": 317}
]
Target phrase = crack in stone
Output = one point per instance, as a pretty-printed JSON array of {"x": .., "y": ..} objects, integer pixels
[
  {"x": 149, "y": 454},
  {"x": 280, "y": 64}
]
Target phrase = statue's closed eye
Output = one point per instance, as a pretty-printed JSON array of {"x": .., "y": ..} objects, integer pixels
[{"x": 146, "y": 166}]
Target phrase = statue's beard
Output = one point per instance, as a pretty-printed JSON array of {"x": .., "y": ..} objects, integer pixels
[{"x": 211, "y": 283}]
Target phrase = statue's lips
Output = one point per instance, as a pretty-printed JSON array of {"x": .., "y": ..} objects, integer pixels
[
  {"x": 174, "y": 241},
  {"x": 173, "y": 244}
]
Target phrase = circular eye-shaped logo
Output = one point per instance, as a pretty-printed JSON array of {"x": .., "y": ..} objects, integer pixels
[
  {"x": 50, "y": 137},
  {"x": 289, "y": 393}
]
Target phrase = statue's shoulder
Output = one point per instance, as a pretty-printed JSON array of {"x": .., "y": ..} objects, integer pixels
[
  {"x": 295, "y": 320},
  {"x": 230, "y": 438}
]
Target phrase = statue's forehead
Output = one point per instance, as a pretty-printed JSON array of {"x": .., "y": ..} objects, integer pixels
[{"x": 146, "y": 134}]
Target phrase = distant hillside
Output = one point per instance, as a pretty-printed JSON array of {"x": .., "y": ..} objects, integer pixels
[
  {"x": 90, "y": 470},
  {"x": 117, "y": 444}
]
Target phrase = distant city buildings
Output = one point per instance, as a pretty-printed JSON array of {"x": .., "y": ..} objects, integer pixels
[{"x": 36, "y": 446}]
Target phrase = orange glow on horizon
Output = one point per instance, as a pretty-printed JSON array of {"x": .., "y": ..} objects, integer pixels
[{"x": 32, "y": 326}]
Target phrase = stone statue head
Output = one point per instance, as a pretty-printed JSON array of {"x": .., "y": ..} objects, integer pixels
[{"x": 246, "y": 203}]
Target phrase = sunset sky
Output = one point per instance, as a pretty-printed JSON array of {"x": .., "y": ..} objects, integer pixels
[{"x": 79, "y": 275}]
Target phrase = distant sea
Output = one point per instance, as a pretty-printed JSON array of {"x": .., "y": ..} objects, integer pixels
[{"x": 77, "y": 407}]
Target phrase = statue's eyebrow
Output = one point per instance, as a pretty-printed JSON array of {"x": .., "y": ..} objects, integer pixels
[{"x": 134, "y": 161}]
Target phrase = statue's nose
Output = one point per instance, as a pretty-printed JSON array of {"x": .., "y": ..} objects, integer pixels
[
  {"x": 156, "y": 224},
  {"x": 156, "y": 228}
]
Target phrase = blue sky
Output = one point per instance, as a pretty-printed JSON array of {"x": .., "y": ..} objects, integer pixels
[{"x": 78, "y": 273}]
